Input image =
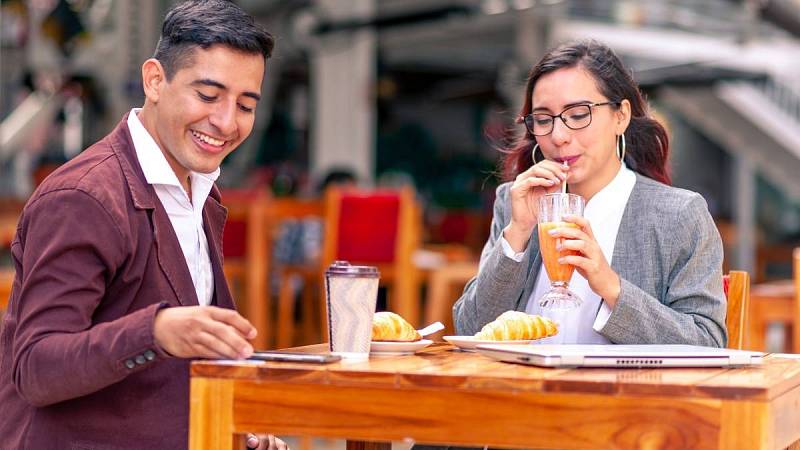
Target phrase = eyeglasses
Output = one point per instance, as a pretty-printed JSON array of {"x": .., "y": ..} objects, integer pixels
[{"x": 574, "y": 117}]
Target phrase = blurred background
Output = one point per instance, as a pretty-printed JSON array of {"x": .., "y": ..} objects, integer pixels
[{"x": 421, "y": 94}]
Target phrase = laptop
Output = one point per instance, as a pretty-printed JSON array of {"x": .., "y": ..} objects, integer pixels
[{"x": 635, "y": 356}]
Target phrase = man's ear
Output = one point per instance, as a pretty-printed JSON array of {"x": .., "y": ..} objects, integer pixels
[
  {"x": 623, "y": 115},
  {"x": 153, "y": 79}
]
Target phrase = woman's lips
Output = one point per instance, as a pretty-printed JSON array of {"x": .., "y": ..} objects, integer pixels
[{"x": 570, "y": 160}]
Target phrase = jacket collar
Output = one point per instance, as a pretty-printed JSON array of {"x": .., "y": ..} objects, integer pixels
[{"x": 121, "y": 142}]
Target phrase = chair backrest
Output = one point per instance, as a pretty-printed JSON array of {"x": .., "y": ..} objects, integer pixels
[
  {"x": 243, "y": 206},
  {"x": 370, "y": 226},
  {"x": 259, "y": 260},
  {"x": 737, "y": 290},
  {"x": 379, "y": 228},
  {"x": 263, "y": 226}
]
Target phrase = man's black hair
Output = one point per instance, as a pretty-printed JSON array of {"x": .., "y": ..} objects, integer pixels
[{"x": 204, "y": 23}]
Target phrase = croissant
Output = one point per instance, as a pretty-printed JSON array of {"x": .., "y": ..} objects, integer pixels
[
  {"x": 388, "y": 326},
  {"x": 514, "y": 325}
]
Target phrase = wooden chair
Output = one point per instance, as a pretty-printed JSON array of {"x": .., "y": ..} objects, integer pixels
[
  {"x": 769, "y": 257},
  {"x": 445, "y": 285},
  {"x": 364, "y": 227},
  {"x": 244, "y": 232},
  {"x": 737, "y": 290},
  {"x": 379, "y": 228},
  {"x": 260, "y": 266},
  {"x": 777, "y": 302},
  {"x": 6, "y": 281}
]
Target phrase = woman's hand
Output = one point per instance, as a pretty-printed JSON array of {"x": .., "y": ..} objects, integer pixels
[
  {"x": 540, "y": 179},
  {"x": 590, "y": 263}
]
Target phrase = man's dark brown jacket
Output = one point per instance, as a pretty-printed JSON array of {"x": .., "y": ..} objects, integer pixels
[{"x": 95, "y": 258}]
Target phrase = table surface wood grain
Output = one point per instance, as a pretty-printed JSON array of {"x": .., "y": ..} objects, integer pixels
[{"x": 442, "y": 395}]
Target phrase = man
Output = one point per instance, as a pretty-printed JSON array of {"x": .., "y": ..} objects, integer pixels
[{"x": 118, "y": 261}]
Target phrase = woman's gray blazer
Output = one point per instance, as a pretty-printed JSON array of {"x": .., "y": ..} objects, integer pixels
[{"x": 668, "y": 255}]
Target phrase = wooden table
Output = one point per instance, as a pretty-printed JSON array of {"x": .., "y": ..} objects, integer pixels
[
  {"x": 772, "y": 302},
  {"x": 445, "y": 396},
  {"x": 445, "y": 285}
]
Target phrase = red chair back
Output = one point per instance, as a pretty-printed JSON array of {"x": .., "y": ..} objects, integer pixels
[
  {"x": 379, "y": 228},
  {"x": 368, "y": 225},
  {"x": 234, "y": 235}
]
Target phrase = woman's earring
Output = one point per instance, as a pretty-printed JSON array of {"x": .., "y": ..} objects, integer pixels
[
  {"x": 533, "y": 154},
  {"x": 621, "y": 147}
]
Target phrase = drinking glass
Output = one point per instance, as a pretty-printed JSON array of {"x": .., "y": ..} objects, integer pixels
[{"x": 552, "y": 208}]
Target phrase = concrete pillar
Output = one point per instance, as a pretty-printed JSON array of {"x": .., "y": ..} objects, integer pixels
[
  {"x": 531, "y": 40},
  {"x": 745, "y": 214},
  {"x": 342, "y": 78}
]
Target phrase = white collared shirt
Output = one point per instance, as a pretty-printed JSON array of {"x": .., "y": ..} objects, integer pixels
[
  {"x": 604, "y": 213},
  {"x": 186, "y": 216}
]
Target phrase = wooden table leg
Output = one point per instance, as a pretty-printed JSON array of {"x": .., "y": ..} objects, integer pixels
[
  {"x": 211, "y": 414},
  {"x": 362, "y": 445}
]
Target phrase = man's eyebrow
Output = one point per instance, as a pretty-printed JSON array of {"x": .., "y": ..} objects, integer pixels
[
  {"x": 218, "y": 85},
  {"x": 209, "y": 82},
  {"x": 568, "y": 105}
]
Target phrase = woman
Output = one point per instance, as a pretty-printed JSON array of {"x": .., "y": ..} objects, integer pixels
[{"x": 649, "y": 268}]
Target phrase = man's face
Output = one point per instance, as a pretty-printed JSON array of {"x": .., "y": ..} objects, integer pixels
[{"x": 207, "y": 109}]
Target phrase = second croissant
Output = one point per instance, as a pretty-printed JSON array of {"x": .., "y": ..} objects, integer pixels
[{"x": 516, "y": 325}]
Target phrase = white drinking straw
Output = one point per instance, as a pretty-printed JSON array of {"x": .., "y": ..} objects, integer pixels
[{"x": 564, "y": 183}]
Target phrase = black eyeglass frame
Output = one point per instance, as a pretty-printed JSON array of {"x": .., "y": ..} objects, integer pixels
[{"x": 528, "y": 119}]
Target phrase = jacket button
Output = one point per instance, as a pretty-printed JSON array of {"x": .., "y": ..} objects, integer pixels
[
  {"x": 150, "y": 355},
  {"x": 140, "y": 359},
  {"x": 130, "y": 364}
]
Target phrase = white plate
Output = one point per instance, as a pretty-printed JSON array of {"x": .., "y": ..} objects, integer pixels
[
  {"x": 469, "y": 343},
  {"x": 398, "y": 348}
]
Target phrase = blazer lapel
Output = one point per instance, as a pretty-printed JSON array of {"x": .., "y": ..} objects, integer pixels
[
  {"x": 170, "y": 257},
  {"x": 168, "y": 250},
  {"x": 624, "y": 257},
  {"x": 214, "y": 216}
]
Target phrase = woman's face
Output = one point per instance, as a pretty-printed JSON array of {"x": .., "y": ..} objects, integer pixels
[{"x": 590, "y": 152}]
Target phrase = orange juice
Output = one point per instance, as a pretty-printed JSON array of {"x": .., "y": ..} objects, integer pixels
[{"x": 547, "y": 245}]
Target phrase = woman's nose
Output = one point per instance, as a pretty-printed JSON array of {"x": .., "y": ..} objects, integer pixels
[{"x": 561, "y": 133}]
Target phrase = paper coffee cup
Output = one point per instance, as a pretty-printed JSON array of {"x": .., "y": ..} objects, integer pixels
[{"x": 350, "y": 296}]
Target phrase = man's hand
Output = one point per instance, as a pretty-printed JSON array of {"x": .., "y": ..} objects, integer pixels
[
  {"x": 268, "y": 442},
  {"x": 203, "y": 332}
]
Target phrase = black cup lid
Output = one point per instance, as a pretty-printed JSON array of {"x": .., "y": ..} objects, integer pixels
[{"x": 345, "y": 269}]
